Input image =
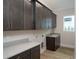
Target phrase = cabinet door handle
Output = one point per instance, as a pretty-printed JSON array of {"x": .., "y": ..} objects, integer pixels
[{"x": 10, "y": 26}]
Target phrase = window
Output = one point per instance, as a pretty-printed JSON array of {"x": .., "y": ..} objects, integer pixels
[{"x": 69, "y": 23}]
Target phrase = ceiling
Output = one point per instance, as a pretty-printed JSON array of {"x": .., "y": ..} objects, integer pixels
[{"x": 59, "y": 4}]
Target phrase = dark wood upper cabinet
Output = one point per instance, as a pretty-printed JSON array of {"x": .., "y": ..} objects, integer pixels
[
  {"x": 6, "y": 20},
  {"x": 18, "y": 15},
  {"x": 13, "y": 14},
  {"x": 28, "y": 22},
  {"x": 53, "y": 20},
  {"x": 45, "y": 19},
  {"x": 38, "y": 15}
]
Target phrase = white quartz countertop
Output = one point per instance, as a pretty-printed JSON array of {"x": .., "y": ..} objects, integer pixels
[
  {"x": 53, "y": 35},
  {"x": 16, "y": 49}
]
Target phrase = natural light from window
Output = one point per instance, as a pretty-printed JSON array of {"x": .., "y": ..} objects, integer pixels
[{"x": 69, "y": 23}]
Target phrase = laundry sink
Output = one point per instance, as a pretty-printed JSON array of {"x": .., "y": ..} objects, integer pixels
[{"x": 53, "y": 35}]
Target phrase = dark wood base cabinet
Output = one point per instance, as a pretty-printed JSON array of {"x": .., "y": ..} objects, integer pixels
[
  {"x": 33, "y": 53},
  {"x": 53, "y": 43}
]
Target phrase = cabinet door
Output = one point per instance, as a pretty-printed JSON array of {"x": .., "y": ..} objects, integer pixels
[
  {"x": 38, "y": 21},
  {"x": 23, "y": 55},
  {"x": 57, "y": 42},
  {"x": 53, "y": 20},
  {"x": 50, "y": 20},
  {"x": 16, "y": 16},
  {"x": 28, "y": 22},
  {"x": 50, "y": 43},
  {"x": 43, "y": 20},
  {"x": 35, "y": 52},
  {"x": 6, "y": 20},
  {"x": 38, "y": 15},
  {"x": 46, "y": 18}
]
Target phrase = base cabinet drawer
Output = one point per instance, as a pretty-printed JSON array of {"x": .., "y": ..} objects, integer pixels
[{"x": 33, "y": 53}]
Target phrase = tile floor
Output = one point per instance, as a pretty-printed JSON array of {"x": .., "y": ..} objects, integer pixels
[{"x": 61, "y": 53}]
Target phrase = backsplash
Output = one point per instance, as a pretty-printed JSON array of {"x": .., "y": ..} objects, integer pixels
[
  {"x": 26, "y": 34},
  {"x": 32, "y": 35},
  {"x": 20, "y": 32}
]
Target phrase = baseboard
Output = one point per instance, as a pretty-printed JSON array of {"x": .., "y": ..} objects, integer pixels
[{"x": 68, "y": 46}]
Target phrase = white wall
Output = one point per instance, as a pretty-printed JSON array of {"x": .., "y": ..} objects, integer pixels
[{"x": 67, "y": 38}]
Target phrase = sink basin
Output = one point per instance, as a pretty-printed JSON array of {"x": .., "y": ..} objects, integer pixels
[{"x": 53, "y": 35}]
